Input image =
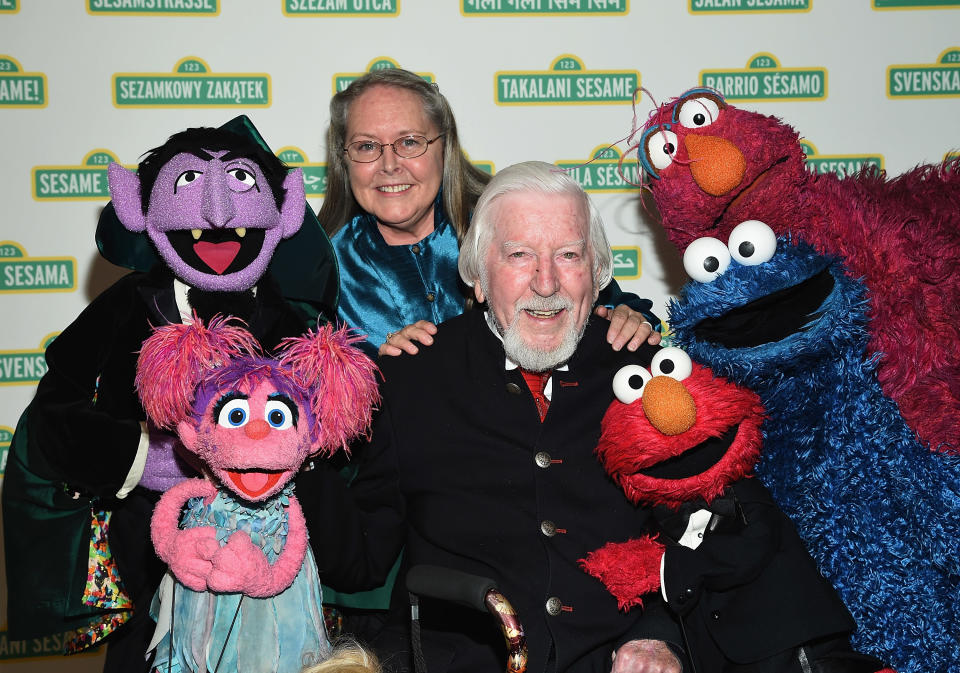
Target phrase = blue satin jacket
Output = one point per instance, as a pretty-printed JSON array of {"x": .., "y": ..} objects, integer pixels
[{"x": 385, "y": 287}]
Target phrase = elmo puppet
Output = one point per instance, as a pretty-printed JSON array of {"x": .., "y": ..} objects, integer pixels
[{"x": 729, "y": 563}]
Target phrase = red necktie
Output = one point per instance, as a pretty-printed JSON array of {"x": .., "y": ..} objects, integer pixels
[{"x": 536, "y": 381}]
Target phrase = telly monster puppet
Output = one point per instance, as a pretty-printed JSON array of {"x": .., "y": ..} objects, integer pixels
[
  {"x": 214, "y": 204},
  {"x": 242, "y": 592},
  {"x": 711, "y": 166}
]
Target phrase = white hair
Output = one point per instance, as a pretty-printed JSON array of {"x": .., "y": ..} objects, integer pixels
[{"x": 536, "y": 177}]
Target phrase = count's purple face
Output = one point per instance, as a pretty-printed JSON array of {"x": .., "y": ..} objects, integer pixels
[{"x": 215, "y": 222}]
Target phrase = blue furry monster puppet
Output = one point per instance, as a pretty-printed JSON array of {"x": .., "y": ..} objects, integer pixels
[
  {"x": 878, "y": 510},
  {"x": 711, "y": 166},
  {"x": 211, "y": 207}
]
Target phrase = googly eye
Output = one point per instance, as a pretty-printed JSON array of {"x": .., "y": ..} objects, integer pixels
[
  {"x": 628, "y": 383},
  {"x": 244, "y": 179},
  {"x": 752, "y": 243},
  {"x": 673, "y": 362},
  {"x": 187, "y": 178},
  {"x": 661, "y": 146},
  {"x": 705, "y": 259},
  {"x": 278, "y": 415},
  {"x": 698, "y": 112},
  {"x": 234, "y": 414}
]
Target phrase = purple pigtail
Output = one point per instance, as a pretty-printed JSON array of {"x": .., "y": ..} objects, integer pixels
[
  {"x": 176, "y": 358},
  {"x": 342, "y": 381}
]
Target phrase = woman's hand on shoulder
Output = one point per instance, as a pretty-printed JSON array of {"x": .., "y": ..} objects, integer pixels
[
  {"x": 405, "y": 340},
  {"x": 627, "y": 328}
]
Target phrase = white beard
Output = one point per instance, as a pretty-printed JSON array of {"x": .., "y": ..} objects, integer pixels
[{"x": 534, "y": 359}]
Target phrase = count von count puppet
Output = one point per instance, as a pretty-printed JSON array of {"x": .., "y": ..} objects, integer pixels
[
  {"x": 200, "y": 220},
  {"x": 242, "y": 591}
]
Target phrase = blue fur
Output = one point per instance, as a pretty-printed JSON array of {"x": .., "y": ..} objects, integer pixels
[{"x": 879, "y": 512}]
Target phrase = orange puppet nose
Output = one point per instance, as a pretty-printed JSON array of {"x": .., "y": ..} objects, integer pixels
[
  {"x": 716, "y": 163},
  {"x": 668, "y": 405},
  {"x": 257, "y": 429}
]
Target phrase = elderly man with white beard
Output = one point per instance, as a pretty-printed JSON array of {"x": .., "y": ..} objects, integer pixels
[{"x": 487, "y": 437}]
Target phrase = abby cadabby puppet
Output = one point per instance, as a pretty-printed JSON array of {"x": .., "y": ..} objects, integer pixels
[{"x": 242, "y": 591}]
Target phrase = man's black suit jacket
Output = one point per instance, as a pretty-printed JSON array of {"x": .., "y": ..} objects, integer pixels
[{"x": 490, "y": 490}]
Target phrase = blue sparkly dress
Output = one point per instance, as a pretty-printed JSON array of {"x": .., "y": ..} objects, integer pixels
[{"x": 233, "y": 632}]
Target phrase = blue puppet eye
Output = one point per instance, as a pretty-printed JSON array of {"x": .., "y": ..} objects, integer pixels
[
  {"x": 234, "y": 414},
  {"x": 279, "y": 414},
  {"x": 628, "y": 383},
  {"x": 752, "y": 243},
  {"x": 705, "y": 259}
]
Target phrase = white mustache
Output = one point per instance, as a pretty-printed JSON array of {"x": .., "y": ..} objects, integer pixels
[{"x": 554, "y": 303}]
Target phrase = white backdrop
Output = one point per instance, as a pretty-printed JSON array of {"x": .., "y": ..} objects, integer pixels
[{"x": 63, "y": 110}]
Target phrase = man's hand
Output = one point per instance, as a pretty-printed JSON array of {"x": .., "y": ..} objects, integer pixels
[
  {"x": 627, "y": 328},
  {"x": 402, "y": 341},
  {"x": 645, "y": 656}
]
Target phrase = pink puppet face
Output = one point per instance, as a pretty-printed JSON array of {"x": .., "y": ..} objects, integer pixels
[
  {"x": 711, "y": 166},
  {"x": 252, "y": 437},
  {"x": 214, "y": 218}
]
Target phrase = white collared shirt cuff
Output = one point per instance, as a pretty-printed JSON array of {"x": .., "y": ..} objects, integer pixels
[
  {"x": 139, "y": 463},
  {"x": 663, "y": 577}
]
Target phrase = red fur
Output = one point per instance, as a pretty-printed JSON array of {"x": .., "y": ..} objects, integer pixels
[
  {"x": 629, "y": 569},
  {"x": 629, "y": 442},
  {"x": 900, "y": 235}
]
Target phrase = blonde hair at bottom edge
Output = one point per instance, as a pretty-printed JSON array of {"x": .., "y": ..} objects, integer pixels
[{"x": 347, "y": 657}]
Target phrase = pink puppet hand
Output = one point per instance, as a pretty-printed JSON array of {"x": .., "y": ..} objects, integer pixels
[
  {"x": 189, "y": 555},
  {"x": 629, "y": 569},
  {"x": 239, "y": 566}
]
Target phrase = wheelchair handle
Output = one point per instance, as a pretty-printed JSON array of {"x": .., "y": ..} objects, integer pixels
[{"x": 479, "y": 593}]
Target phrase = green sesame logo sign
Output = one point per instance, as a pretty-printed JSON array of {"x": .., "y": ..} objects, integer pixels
[
  {"x": 20, "y": 274},
  {"x": 190, "y": 85},
  {"x": 485, "y": 166},
  {"x": 342, "y": 80},
  {"x": 566, "y": 82},
  {"x": 843, "y": 165},
  {"x": 24, "y": 367},
  {"x": 601, "y": 173},
  {"x": 765, "y": 80},
  {"x": 748, "y": 6},
  {"x": 9, "y": 7},
  {"x": 20, "y": 89},
  {"x": 314, "y": 174},
  {"x": 86, "y": 182},
  {"x": 38, "y": 648},
  {"x": 341, "y": 7},
  {"x": 6, "y": 436},
  {"x": 626, "y": 262},
  {"x": 543, "y": 7},
  {"x": 914, "y": 4},
  {"x": 154, "y": 7},
  {"x": 938, "y": 80}
]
